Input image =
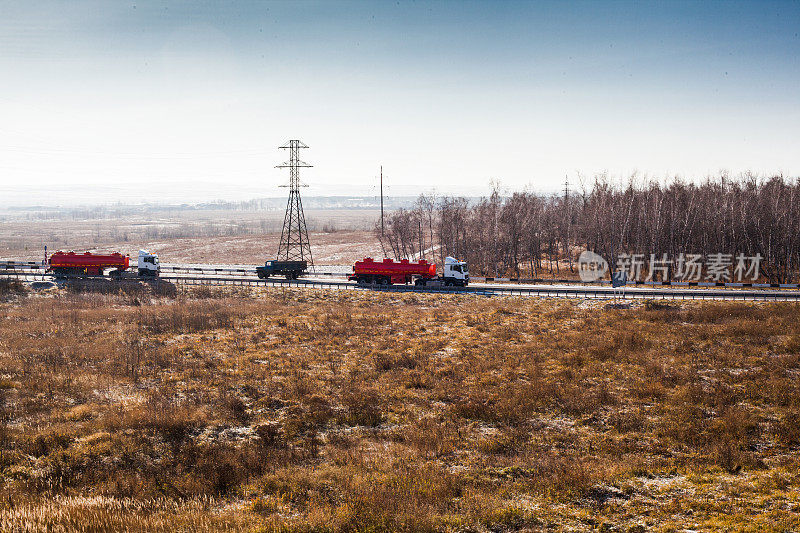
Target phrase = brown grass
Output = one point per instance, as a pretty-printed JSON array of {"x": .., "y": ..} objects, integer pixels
[
  {"x": 349, "y": 411},
  {"x": 10, "y": 287}
]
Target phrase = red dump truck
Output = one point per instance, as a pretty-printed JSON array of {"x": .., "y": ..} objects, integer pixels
[{"x": 387, "y": 272}]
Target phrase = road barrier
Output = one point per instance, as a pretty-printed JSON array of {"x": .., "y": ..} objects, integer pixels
[
  {"x": 540, "y": 291},
  {"x": 534, "y": 281},
  {"x": 198, "y": 275}
]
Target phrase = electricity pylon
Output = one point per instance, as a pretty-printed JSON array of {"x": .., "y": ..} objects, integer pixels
[{"x": 294, "y": 245}]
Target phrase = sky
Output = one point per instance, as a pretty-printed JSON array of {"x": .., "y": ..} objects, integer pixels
[{"x": 105, "y": 101}]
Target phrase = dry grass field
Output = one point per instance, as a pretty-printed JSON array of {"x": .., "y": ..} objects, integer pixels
[{"x": 302, "y": 410}]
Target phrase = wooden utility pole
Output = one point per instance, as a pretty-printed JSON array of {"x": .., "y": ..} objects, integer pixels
[{"x": 382, "y": 235}]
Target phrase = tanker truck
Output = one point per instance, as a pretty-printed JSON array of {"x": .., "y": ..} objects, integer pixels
[
  {"x": 70, "y": 264},
  {"x": 421, "y": 273}
]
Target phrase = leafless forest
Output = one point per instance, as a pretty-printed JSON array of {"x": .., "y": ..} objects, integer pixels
[{"x": 532, "y": 234}]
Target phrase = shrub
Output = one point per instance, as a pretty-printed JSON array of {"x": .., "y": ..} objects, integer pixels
[
  {"x": 787, "y": 429},
  {"x": 9, "y": 287},
  {"x": 385, "y": 361},
  {"x": 362, "y": 408},
  {"x": 236, "y": 409},
  {"x": 792, "y": 344}
]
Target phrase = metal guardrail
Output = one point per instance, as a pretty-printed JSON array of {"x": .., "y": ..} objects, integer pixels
[
  {"x": 20, "y": 265},
  {"x": 541, "y": 292},
  {"x": 221, "y": 276},
  {"x": 188, "y": 269},
  {"x": 233, "y": 271},
  {"x": 250, "y": 270},
  {"x": 709, "y": 284}
]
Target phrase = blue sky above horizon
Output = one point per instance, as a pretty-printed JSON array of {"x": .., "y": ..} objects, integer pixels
[{"x": 192, "y": 99}]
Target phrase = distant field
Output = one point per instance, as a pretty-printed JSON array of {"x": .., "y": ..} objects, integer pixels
[
  {"x": 295, "y": 410},
  {"x": 338, "y": 236}
]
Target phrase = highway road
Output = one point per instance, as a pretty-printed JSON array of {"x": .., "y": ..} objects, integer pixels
[{"x": 336, "y": 279}]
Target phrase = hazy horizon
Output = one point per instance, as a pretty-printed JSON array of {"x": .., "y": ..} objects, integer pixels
[
  {"x": 189, "y": 101},
  {"x": 271, "y": 202}
]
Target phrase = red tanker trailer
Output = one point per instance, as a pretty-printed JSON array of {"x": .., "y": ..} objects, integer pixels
[
  {"x": 387, "y": 272},
  {"x": 86, "y": 264}
]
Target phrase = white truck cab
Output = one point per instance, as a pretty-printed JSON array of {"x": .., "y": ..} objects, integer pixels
[
  {"x": 148, "y": 264},
  {"x": 455, "y": 272}
]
